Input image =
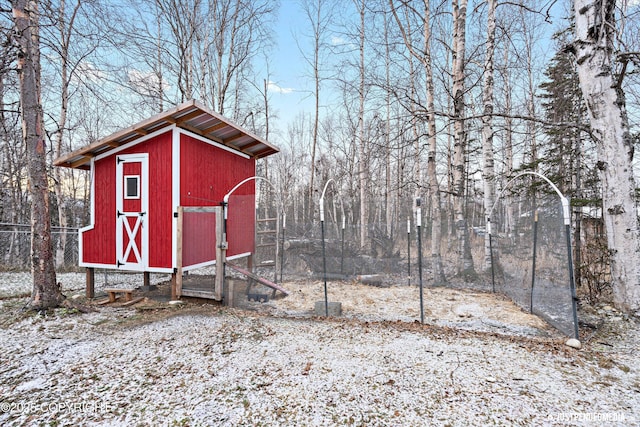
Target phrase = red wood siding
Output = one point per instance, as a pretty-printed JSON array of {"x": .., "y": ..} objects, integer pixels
[
  {"x": 160, "y": 219},
  {"x": 207, "y": 174},
  {"x": 99, "y": 243}
]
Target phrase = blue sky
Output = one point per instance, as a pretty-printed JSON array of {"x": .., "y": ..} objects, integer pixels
[
  {"x": 289, "y": 90},
  {"x": 290, "y": 75}
]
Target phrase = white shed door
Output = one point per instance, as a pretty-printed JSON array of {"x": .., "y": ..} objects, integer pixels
[{"x": 132, "y": 202}]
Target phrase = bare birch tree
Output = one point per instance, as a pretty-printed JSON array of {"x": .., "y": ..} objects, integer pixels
[
  {"x": 390, "y": 192},
  {"x": 434, "y": 188},
  {"x": 509, "y": 126},
  {"x": 488, "y": 171},
  {"x": 460, "y": 138},
  {"x": 64, "y": 22},
  {"x": 363, "y": 166},
  {"x": 178, "y": 50},
  {"x": 319, "y": 14},
  {"x": 183, "y": 18},
  {"x": 46, "y": 293},
  {"x": 601, "y": 85},
  {"x": 14, "y": 203}
]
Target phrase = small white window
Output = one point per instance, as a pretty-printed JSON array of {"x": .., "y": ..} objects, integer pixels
[{"x": 132, "y": 187}]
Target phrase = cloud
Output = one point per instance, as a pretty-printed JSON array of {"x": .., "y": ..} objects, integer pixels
[
  {"x": 146, "y": 82},
  {"x": 271, "y": 86},
  {"x": 89, "y": 72},
  {"x": 338, "y": 41}
]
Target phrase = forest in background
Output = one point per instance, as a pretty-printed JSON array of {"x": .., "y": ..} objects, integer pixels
[{"x": 444, "y": 100}]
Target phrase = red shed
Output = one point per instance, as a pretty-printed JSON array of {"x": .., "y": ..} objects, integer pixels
[{"x": 142, "y": 175}]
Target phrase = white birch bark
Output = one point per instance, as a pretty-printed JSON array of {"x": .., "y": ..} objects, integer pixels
[
  {"x": 508, "y": 143},
  {"x": 488, "y": 172},
  {"x": 465, "y": 268},
  {"x": 595, "y": 32},
  {"x": 434, "y": 188},
  {"x": 389, "y": 206},
  {"x": 65, "y": 30},
  {"x": 363, "y": 168},
  {"x": 318, "y": 20}
]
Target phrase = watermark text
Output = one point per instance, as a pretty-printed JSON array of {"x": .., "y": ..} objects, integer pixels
[
  {"x": 598, "y": 417},
  {"x": 56, "y": 407}
]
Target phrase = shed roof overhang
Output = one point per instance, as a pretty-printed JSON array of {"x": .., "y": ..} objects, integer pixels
[{"x": 191, "y": 116}]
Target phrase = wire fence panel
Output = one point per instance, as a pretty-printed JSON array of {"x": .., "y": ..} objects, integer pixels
[
  {"x": 531, "y": 262},
  {"x": 199, "y": 235},
  {"x": 333, "y": 250},
  {"x": 343, "y": 256},
  {"x": 15, "y": 248}
]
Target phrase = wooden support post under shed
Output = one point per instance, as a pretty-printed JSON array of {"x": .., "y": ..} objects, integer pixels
[
  {"x": 146, "y": 281},
  {"x": 250, "y": 262},
  {"x": 173, "y": 286},
  {"x": 91, "y": 280}
]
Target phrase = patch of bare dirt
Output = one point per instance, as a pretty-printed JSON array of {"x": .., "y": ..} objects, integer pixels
[{"x": 442, "y": 306}]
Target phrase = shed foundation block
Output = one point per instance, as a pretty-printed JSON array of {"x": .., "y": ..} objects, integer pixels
[{"x": 334, "y": 309}]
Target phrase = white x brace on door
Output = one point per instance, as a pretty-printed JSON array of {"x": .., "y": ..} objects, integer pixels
[{"x": 132, "y": 202}]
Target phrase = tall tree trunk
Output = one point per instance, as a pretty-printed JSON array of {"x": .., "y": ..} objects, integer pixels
[
  {"x": 488, "y": 171},
  {"x": 417, "y": 156},
  {"x": 46, "y": 293},
  {"x": 389, "y": 206},
  {"x": 158, "y": 65},
  {"x": 65, "y": 30},
  {"x": 465, "y": 268},
  {"x": 314, "y": 11},
  {"x": 508, "y": 143},
  {"x": 434, "y": 188},
  {"x": 316, "y": 115},
  {"x": 363, "y": 168},
  {"x": 595, "y": 32}
]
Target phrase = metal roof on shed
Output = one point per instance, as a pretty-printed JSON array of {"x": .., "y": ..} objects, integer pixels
[{"x": 191, "y": 116}]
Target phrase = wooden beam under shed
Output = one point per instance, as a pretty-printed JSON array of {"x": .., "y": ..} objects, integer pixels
[
  {"x": 250, "y": 144},
  {"x": 188, "y": 116},
  {"x": 201, "y": 133},
  {"x": 214, "y": 128},
  {"x": 264, "y": 152},
  {"x": 233, "y": 138},
  {"x": 81, "y": 162}
]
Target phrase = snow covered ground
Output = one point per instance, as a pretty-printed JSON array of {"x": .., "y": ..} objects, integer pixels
[
  {"x": 20, "y": 283},
  {"x": 276, "y": 364}
]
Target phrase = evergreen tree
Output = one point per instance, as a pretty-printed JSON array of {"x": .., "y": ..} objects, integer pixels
[
  {"x": 568, "y": 160},
  {"x": 564, "y": 155}
]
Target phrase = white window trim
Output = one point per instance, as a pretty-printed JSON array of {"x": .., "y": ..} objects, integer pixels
[{"x": 126, "y": 187}]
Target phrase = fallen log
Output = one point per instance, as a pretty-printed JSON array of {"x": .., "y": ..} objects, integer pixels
[{"x": 371, "y": 279}]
